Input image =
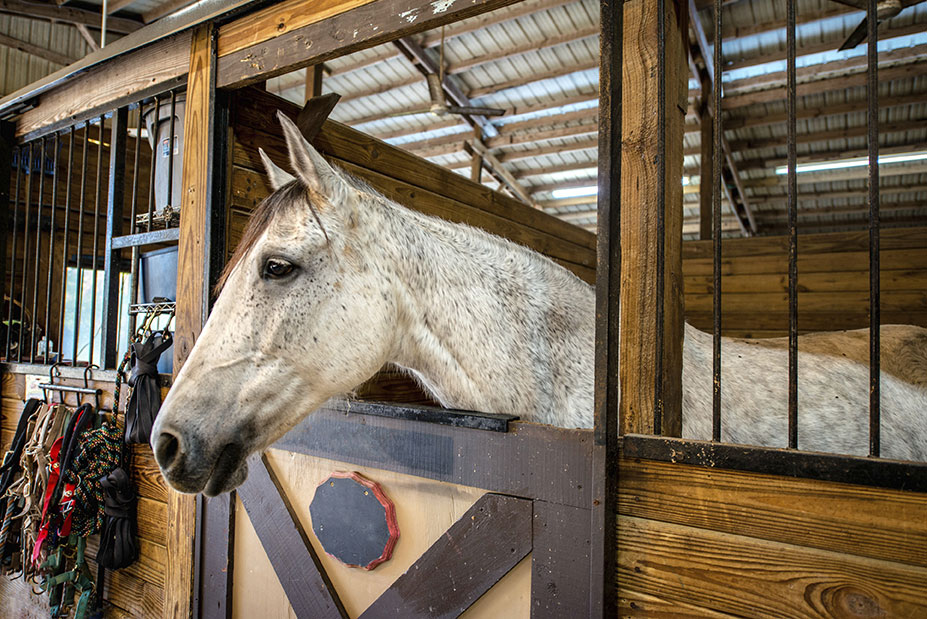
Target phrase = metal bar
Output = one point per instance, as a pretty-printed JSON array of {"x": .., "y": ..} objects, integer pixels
[
  {"x": 80, "y": 241},
  {"x": 793, "y": 228},
  {"x": 716, "y": 231},
  {"x": 154, "y": 162},
  {"x": 170, "y": 155},
  {"x": 167, "y": 235},
  {"x": 661, "y": 221},
  {"x": 26, "y": 205},
  {"x": 874, "y": 305},
  {"x": 603, "y": 561},
  {"x": 20, "y": 154},
  {"x": 96, "y": 241},
  {"x": 114, "y": 209},
  {"x": 51, "y": 250},
  {"x": 64, "y": 248},
  {"x": 38, "y": 251},
  {"x": 133, "y": 226}
]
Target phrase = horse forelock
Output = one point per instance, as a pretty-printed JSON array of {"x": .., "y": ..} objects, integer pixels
[{"x": 279, "y": 203}]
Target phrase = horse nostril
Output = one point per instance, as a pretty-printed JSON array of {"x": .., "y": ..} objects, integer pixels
[{"x": 167, "y": 449}]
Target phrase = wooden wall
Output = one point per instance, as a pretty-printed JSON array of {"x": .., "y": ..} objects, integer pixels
[
  {"x": 136, "y": 591},
  {"x": 700, "y": 542},
  {"x": 833, "y": 282}
]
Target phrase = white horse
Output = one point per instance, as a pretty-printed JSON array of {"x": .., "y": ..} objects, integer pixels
[{"x": 332, "y": 281}]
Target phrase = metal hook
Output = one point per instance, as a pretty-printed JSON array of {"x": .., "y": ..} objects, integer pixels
[{"x": 87, "y": 371}]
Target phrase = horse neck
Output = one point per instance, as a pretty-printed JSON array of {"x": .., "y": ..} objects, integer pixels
[{"x": 482, "y": 323}]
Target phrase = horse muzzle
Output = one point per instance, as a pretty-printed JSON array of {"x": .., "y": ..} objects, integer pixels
[{"x": 189, "y": 466}]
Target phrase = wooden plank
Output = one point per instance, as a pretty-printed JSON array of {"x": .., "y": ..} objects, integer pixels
[
  {"x": 531, "y": 460},
  {"x": 36, "y": 50},
  {"x": 192, "y": 292},
  {"x": 370, "y": 153},
  {"x": 824, "y": 302},
  {"x": 807, "y": 322},
  {"x": 560, "y": 560},
  {"x": 844, "y": 518},
  {"x": 636, "y": 604},
  {"x": 478, "y": 550},
  {"x": 217, "y": 533},
  {"x": 640, "y": 200},
  {"x": 165, "y": 61},
  {"x": 831, "y": 262},
  {"x": 294, "y": 46},
  {"x": 295, "y": 561},
  {"x": 820, "y": 282},
  {"x": 896, "y": 238},
  {"x": 749, "y": 577}
]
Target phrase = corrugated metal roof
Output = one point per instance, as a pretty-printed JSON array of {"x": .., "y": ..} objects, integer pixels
[{"x": 21, "y": 69}]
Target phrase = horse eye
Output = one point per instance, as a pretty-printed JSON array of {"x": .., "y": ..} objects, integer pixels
[{"x": 276, "y": 268}]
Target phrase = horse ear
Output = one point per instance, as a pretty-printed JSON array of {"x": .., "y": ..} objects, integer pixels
[
  {"x": 309, "y": 165},
  {"x": 277, "y": 175}
]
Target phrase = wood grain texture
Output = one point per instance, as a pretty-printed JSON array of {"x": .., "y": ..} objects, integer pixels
[
  {"x": 849, "y": 519},
  {"x": 278, "y": 19},
  {"x": 640, "y": 201},
  {"x": 192, "y": 295},
  {"x": 744, "y": 576},
  {"x": 477, "y": 551},
  {"x": 164, "y": 61},
  {"x": 353, "y": 25}
]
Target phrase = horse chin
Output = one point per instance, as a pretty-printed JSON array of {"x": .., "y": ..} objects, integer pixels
[{"x": 230, "y": 471}]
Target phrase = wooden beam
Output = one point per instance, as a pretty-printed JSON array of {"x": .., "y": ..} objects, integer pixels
[
  {"x": 68, "y": 15},
  {"x": 36, "y": 50},
  {"x": 272, "y": 42},
  {"x": 531, "y": 78},
  {"x": 298, "y": 567},
  {"x": 532, "y": 45},
  {"x": 194, "y": 283},
  {"x": 640, "y": 185},
  {"x": 85, "y": 33},
  {"x": 529, "y": 7},
  {"x": 827, "y": 44},
  {"x": 314, "y": 76},
  {"x": 731, "y": 31},
  {"x": 825, "y": 84},
  {"x": 497, "y": 166},
  {"x": 466, "y": 561},
  {"x": 117, "y": 5},
  {"x": 563, "y": 167},
  {"x": 833, "y": 134}
]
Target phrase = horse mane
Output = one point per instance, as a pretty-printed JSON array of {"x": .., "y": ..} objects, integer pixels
[{"x": 279, "y": 202}]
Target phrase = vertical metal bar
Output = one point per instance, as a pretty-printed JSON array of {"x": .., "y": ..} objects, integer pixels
[
  {"x": 64, "y": 245},
  {"x": 114, "y": 210},
  {"x": 154, "y": 162},
  {"x": 19, "y": 157},
  {"x": 27, "y": 204},
  {"x": 38, "y": 251},
  {"x": 604, "y": 567},
  {"x": 793, "y": 229},
  {"x": 874, "y": 304},
  {"x": 170, "y": 153},
  {"x": 716, "y": 231},
  {"x": 96, "y": 240},
  {"x": 80, "y": 240},
  {"x": 51, "y": 248},
  {"x": 132, "y": 225},
  {"x": 661, "y": 221}
]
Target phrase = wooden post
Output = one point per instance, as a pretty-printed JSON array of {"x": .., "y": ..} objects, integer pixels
[
  {"x": 639, "y": 199},
  {"x": 706, "y": 187},
  {"x": 114, "y": 212},
  {"x": 196, "y": 265},
  {"x": 476, "y": 160},
  {"x": 7, "y": 141},
  {"x": 314, "y": 81}
]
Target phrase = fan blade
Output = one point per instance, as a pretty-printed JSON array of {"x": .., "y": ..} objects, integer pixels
[
  {"x": 475, "y": 111},
  {"x": 856, "y": 37}
]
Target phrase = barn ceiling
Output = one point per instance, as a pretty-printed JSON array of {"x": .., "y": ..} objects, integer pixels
[{"x": 538, "y": 61}]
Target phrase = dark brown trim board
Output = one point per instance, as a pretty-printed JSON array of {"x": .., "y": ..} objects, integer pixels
[
  {"x": 531, "y": 460},
  {"x": 295, "y": 561},
  {"x": 478, "y": 550}
]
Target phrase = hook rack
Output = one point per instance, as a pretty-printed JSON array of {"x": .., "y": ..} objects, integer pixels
[
  {"x": 53, "y": 372},
  {"x": 161, "y": 305}
]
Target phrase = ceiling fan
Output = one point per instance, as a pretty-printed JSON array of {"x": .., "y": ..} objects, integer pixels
[
  {"x": 438, "y": 102},
  {"x": 885, "y": 9}
]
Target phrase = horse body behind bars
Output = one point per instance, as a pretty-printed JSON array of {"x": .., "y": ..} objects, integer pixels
[{"x": 332, "y": 281}]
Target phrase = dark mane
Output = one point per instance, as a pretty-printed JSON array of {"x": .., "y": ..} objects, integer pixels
[{"x": 278, "y": 203}]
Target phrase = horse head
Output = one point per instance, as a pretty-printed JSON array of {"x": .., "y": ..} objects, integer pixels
[{"x": 304, "y": 314}]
